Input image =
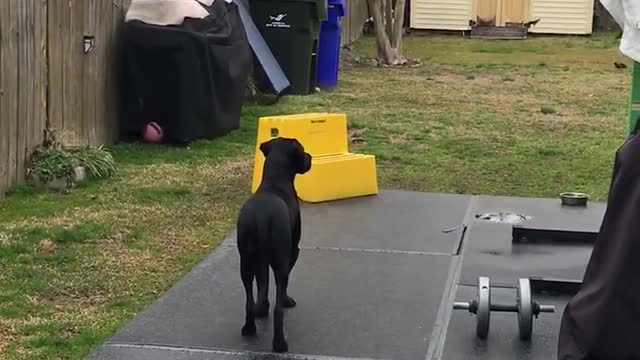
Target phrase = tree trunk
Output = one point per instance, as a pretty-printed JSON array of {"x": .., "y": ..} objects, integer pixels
[
  {"x": 398, "y": 25},
  {"x": 389, "y": 34},
  {"x": 388, "y": 16}
]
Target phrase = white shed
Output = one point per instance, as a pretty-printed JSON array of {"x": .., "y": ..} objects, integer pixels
[
  {"x": 441, "y": 14},
  {"x": 556, "y": 16},
  {"x": 562, "y": 16}
]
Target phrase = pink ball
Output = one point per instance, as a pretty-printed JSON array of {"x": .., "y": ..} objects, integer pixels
[{"x": 153, "y": 133}]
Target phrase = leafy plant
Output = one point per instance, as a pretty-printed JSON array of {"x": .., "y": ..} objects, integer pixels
[
  {"x": 97, "y": 161},
  {"x": 53, "y": 162}
]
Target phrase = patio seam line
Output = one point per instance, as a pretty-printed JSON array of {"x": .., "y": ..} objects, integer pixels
[
  {"x": 439, "y": 333},
  {"x": 364, "y": 250},
  {"x": 218, "y": 351}
]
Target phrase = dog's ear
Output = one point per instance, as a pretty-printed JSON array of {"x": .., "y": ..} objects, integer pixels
[
  {"x": 266, "y": 146},
  {"x": 301, "y": 160},
  {"x": 305, "y": 166}
]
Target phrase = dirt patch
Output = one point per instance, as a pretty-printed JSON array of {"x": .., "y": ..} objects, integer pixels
[
  {"x": 356, "y": 136},
  {"x": 8, "y": 334},
  {"x": 397, "y": 139},
  {"x": 46, "y": 246},
  {"x": 4, "y": 238},
  {"x": 60, "y": 298}
]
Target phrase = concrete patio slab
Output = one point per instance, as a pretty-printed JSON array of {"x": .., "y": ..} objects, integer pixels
[
  {"x": 350, "y": 304},
  {"x": 393, "y": 220},
  {"x": 376, "y": 279}
]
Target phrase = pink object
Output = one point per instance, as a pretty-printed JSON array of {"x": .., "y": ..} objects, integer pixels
[{"x": 153, "y": 133}]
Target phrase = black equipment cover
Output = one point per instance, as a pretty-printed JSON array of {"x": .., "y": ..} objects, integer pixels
[{"x": 190, "y": 79}]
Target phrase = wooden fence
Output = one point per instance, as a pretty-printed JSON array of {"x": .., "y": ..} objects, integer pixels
[
  {"x": 57, "y": 62},
  {"x": 353, "y": 21},
  {"x": 45, "y": 73}
]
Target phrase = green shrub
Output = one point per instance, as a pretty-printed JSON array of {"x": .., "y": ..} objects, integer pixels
[
  {"x": 98, "y": 162},
  {"x": 53, "y": 160}
]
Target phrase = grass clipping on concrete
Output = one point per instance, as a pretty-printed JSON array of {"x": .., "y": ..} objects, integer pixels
[{"x": 74, "y": 268}]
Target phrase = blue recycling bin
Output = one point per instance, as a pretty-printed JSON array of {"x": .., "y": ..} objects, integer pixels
[{"x": 329, "y": 45}]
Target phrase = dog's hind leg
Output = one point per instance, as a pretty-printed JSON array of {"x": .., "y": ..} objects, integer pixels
[
  {"x": 262, "y": 278},
  {"x": 282, "y": 279},
  {"x": 247, "y": 271},
  {"x": 295, "y": 252},
  {"x": 295, "y": 243}
]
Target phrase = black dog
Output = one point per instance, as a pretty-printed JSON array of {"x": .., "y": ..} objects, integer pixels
[{"x": 269, "y": 229}]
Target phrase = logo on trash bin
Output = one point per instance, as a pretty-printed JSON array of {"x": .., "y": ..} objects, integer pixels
[{"x": 276, "y": 21}]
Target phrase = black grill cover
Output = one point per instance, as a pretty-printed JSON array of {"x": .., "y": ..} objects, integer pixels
[{"x": 190, "y": 79}]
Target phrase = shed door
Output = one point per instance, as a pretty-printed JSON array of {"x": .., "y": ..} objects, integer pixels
[
  {"x": 501, "y": 12},
  {"x": 514, "y": 11},
  {"x": 486, "y": 12}
]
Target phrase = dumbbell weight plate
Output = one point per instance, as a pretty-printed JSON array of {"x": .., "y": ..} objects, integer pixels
[
  {"x": 483, "y": 315},
  {"x": 525, "y": 309}
]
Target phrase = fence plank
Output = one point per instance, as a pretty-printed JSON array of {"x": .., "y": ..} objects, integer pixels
[
  {"x": 56, "y": 61},
  {"x": 66, "y": 80},
  {"x": 10, "y": 80},
  {"x": 32, "y": 121},
  {"x": 107, "y": 76},
  {"x": 25, "y": 83},
  {"x": 345, "y": 34},
  {"x": 118, "y": 16},
  {"x": 359, "y": 15},
  {"x": 90, "y": 105},
  {"x": 40, "y": 61},
  {"x": 93, "y": 60},
  {"x": 77, "y": 132},
  {"x": 107, "y": 70},
  {"x": 4, "y": 92}
]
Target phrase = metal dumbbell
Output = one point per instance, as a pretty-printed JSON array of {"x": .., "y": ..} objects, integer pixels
[{"x": 526, "y": 308}]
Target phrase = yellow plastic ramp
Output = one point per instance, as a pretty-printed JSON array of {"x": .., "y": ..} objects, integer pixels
[{"x": 335, "y": 172}]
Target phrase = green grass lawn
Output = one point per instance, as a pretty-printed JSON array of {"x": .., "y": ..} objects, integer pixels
[{"x": 527, "y": 118}]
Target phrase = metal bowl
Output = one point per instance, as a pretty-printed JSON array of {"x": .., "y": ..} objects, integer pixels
[{"x": 574, "y": 199}]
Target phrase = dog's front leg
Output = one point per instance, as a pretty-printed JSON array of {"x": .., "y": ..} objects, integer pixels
[{"x": 288, "y": 300}]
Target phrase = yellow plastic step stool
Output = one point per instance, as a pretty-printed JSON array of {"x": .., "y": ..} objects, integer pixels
[{"x": 335, "y": 172}]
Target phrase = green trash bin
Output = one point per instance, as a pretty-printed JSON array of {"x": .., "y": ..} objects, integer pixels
[{"x": 291, "y": 28}]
